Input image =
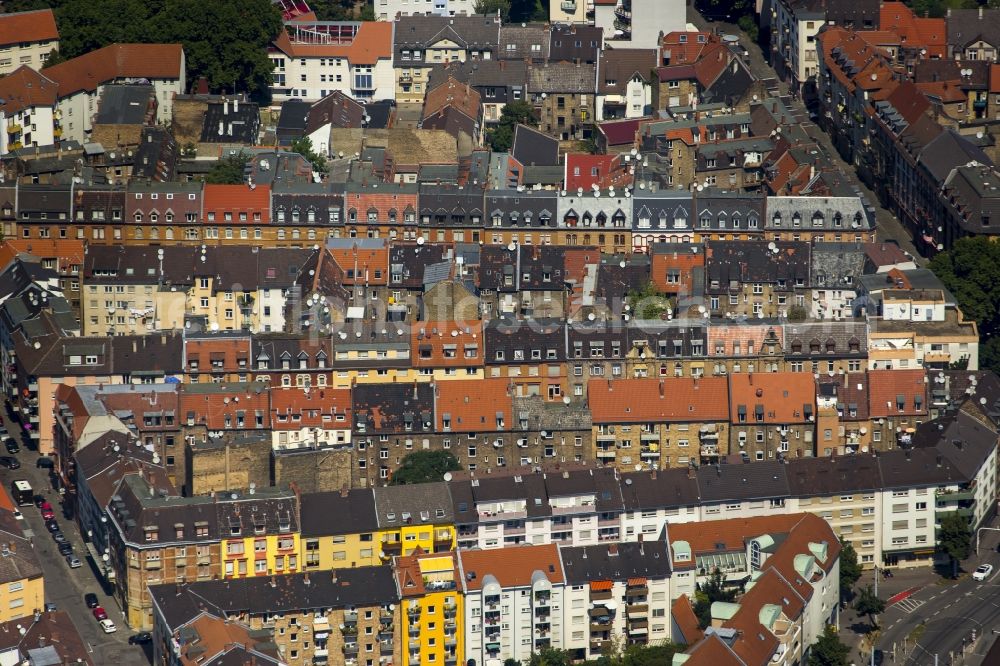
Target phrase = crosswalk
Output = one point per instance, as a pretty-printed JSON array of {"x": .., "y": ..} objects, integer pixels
[{"x": 908, "y": 605}]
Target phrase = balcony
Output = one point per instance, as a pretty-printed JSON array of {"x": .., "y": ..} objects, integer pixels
[
  {"x": 14, "y": 128},
  {"x": 350, "y": 617},
  {"x": 956, "y": 495},
  {"x": 623, "y": 13},
  {"x": 385, "y": 647},
  {"x": 568, "y": 6},
  {"x": 624, "y": 26},
  {"x": 637, "y": 611},
  {"x": 413, "y": 612},
  {"x": 414, "y": 645},
  {"x": 351, "y": 649}
]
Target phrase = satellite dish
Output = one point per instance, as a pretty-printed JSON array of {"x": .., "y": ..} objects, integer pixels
[
  {"x": 448, "y": 476},
  {"x": 420, "y": 240}
]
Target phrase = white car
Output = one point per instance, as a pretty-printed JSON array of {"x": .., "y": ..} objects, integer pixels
[
  {"x": 982, "y": 572},
  {"x": 108, "y": 626}
]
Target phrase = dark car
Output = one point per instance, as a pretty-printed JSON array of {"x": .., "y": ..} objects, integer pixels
[
  {"x": 59, "y": 537},
  {"x": 52, "y": 525},
  {"x": 141, "y": 638},
  {"x": 65, "y": 548},
  {"x": 39, "y": 500},
  {"x": 45, "y": 462},
  {"x": 879, "y": 657},
  {"x": 91, "y": 600},
  {"x": 10, "y": 462},
  {"x": 11, "y": 446},
  {"x": 50, "y": 607}
]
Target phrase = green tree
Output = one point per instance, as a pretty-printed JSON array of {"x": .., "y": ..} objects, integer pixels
[
  {"x": 228, "y": 170},
  {"x": 971, "y": 271},
  {"x": 550, "y": 657},
  {"x": 304, "y": 147},
  {"x": 707, "y": 594},
  {"x": 647, "y": 302},
  {"x": 955, "y": 538},
  {"x": 869, "y": 604},
  {"x": 829, "y": 650},
  {"x": 797, "y": 313},
  {"x": 333, "y": 10},
  {"x": 424, "y": 467},
  {"x": 850, "y": 570},
  {"x": 655, "y": 654},
  {"x": 501, "y": 137},
  {"x": 491, "y": 7},
  {"x": 510, "y": 661},
  {"x": 748, "y": 25}
]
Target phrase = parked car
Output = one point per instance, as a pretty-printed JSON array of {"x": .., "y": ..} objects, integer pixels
[
  {"x": 48, "y": 513},
  {"x": 52, "y": 525},
  {"x": 10, "y": 462},
  {"x": 73, "y": 561},
  {"x": 100, "y": 613},
  {"x": 140, "y": 638},
  {"x": 982, "y": 572},
  {"x": 45, "y": 463},
  {"x": 50, "y": 607},
  {"x": 18, "y": 515},
  {"x": 91, "y": 600},
  {"x": 11, "y": 445},
  {"x": 65, "y": 548},
  {"x": 39, "y": 500},
  {"x": 107, "y": 626}
]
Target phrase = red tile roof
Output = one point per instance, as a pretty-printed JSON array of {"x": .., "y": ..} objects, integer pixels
[
  {"x": 362, "y": 265},
  {"x": 211, "y": 408},
  {"x": 685, "y": 263},
  {"x": 512, "y": 567},
  {"x": 621, "y": 132},
  {"x": 372, "y": 43},
  {"x": 783, "y": 395},
  {"x": 994, "y": 78},
  {"x": 928, "y": 33},
  {"x": 455, "y": 94},
  {"x": 472, "y": 405},
  {"x": 711, "y": 63},
  {"x": 117, "y": 61},
  {"x": 667, "y": 399},
  {"x": 947, "y": 92},
  {"x": 236, "y": 199},
  {"x": 683, "y": 616},
  {"x": 447, "y": 344},
  {"x": 311, "y": 408},
  {"x": 584, "y": 170},
  {"x": 886, "y": 387},
  {"x": 67, "y": 252},
  {"x": 22, "y": 27},
  {"x": 25, "y": 88},
  {"x": 688, "y": 51}
]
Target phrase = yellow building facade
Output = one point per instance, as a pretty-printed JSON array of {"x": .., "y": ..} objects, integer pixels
[{"x": 432, "y": 609}]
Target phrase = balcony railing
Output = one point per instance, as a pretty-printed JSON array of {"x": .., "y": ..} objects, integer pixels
[{"x": 568, "y": 6}]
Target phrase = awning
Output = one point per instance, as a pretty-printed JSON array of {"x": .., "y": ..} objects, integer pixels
[
  {"x": 635, "y": 582},
  {"x": 601, "y": 585}
]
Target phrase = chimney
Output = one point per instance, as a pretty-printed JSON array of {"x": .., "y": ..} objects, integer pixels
[{"x": 661, "y": 389}]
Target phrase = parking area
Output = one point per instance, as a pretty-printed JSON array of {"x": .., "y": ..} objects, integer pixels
[{"x": 66, "y": 587}]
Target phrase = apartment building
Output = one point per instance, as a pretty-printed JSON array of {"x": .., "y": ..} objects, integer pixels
[
  {"x": 510, "y": 601},
  {"x": 29, "y": 110},
  {"x": 756, "y": 278},
  {"x": 615, "y": 590},
  {"x": 660, "y": 423},
  {"x": 28, "y": 39},
  {"x": 433, "y": 608},
  {"x": 772, "y": 414},
  {"x": 313, "y": 59},
  {"x": 335, "y": 618}
]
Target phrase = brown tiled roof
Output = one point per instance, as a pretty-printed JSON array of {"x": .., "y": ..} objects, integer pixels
[
  {"x": 117, "y": 61},
  {"x": 782, "y": 395},
  {"x": 23, "y": 27},
  {"x": 619, "y": 65},
  {"x": 886, "y": 387},
  {"x": 686, "y": 399},
  {"x": 473, "y": 404},
  {"x": 512, "y": 567},
  {"x": 683, "y": 616},
  {"x": 455, "y": 94},
  {"x": 24, "y": 88},
  {"x": 372, "y": 43}
]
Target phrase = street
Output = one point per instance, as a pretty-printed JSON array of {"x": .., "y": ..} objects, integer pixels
[
  {"x": 889, "y": 227},
  {"x": 65, "y": 587}
]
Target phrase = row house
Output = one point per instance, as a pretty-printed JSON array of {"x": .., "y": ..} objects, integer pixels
[
  {"x": 381, "y": 210},
  {"x": 527, "y": 281},
  {"x": 825, "y": 347},
  {"x": 454, "y": 213},
  {"x": 308, "y": 618},
  {"x": 756, "y": 279},
  {"x": 772, "y": 414},
  {"x": 596, "y": 218},
  {"x": 636, "y": 424},
  {"x": 830, "y": 219},
  {"x": 446, "y": 350},
  {"x": 423, "y": 41},
  {"x": 746, "y": 347},
  {"x": 30, "y": 38},
  {"x": 530, "y": 354},
  {"x": 305, "y": 418},
  {"x": 288, "y": 360},
  {"x": 563, "y": 94},
  {"x": 429, "y": 587},
  {"x": 836, "y": 268}
]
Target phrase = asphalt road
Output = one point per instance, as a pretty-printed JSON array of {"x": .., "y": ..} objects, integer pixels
[
  {"x": 954, "y": 614},
  {"x": 65, "y": 587}
]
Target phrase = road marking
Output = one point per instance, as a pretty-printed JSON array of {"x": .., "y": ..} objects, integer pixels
[{"x": 909, "y": 605}]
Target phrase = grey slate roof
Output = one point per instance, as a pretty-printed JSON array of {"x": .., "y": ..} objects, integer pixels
[
  {"x": 123, "y": 105},
  {"x": 817, "y": 213},
  {"x": 948, "y": 150},
  {"x": 533, "y": 148},
  {"x": 742, "y": 481},
  {"x": 522, "y": 42},
  {"x": 328, "y": 513},
  {"x": 833, "y": 337},
  {"x": 618, "y": 562},
  {"x": 479, "y": 33},
  {"x": 836, "y": 265},
  {"x": 562, "y": 77},
  {"x": 421, "y": 503}
]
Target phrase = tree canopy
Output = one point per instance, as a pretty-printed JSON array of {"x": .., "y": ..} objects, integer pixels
[
  {"x": 304, "y": 147},
  {"x": 228, "y": 170},
  {"x": 708, "y": 593},
  {"x": 829, "y": 650},
  {"x": 491, "y": 7},
  {"x": 971, "y": 271},
  {"x": 955, "y": 536},
  {"x": 225, "y": 41},
  {"x": 424, "y": 467},
  {"x": 850, "y": 570},
  {"x": 869, "y": 604},
  {"x": 647, "y": 302},
  {"x": 517, "y": 112}
]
